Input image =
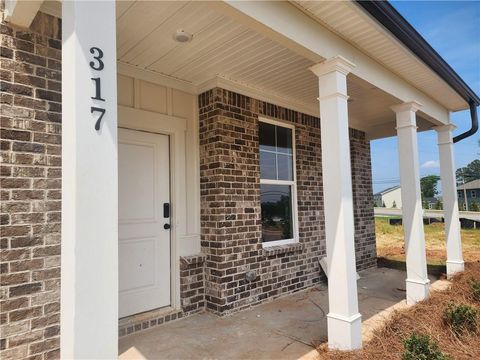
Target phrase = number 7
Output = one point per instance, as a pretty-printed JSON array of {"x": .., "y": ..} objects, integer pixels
[{"x": 101, "y": 111}]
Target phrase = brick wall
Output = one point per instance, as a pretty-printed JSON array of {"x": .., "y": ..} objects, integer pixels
[
  {"x": 230, "y": 203},
  {"x": 365, "y": 242},
  {"x": 31, "y": 189}
]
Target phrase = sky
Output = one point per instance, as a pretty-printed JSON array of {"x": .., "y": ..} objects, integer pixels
[{"x": 453, "y": 29}]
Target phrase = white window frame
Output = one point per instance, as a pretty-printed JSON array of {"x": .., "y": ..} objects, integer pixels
[{"x": 291, "y": 183}]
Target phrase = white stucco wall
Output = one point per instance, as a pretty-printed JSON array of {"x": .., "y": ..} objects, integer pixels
[{"x": 390, "y": 197}]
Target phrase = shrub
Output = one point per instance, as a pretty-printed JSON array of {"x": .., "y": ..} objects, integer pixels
[
  {"x": 422, "y": 347},
  {"x": 475, "y": 287},
  {"x": 461, "y": 318}
]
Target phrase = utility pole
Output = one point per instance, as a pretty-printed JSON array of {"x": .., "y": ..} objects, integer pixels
[{"x": 465, "y": 194}]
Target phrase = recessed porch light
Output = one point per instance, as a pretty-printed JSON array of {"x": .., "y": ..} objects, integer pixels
[{"x": 182, "y": 36}]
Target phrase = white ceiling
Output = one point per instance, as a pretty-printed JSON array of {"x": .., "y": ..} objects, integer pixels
[{"x": 223, "y": 48}]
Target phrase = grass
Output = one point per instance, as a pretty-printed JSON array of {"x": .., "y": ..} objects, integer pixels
[
  {"x": 390, "y": 242},
  {"x": 427, "y": 320}
]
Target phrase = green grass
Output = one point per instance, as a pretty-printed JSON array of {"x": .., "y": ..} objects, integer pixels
[{"x": 390, "y": 242}]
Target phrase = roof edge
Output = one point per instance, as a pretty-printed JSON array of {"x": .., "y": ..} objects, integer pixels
[{"x": 394, "y": 22}]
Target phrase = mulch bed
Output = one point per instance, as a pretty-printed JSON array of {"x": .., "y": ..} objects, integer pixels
[{"x": 425, "y": 317}]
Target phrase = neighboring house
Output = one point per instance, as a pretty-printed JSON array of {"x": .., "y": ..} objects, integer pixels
[
  {"x": 471, "y": 192},
  {"x": 431, "y": 202},
  {"x": 167, "y": 158},
  {"x": 389, "y": 198}
]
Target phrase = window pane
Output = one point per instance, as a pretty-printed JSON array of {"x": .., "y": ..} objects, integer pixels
[
  {"x": 276, "y": 202},
  {"x": 268, "y": 168},
  {"x": 285, "y": 169},
  {"x": 284, "y": 140},
  {"x": 266, "y": 136}
]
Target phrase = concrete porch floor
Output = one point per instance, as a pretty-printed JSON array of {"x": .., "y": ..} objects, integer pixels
[{"x": 286, "y": 328}]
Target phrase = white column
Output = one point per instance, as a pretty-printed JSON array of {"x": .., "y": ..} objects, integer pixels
[
  {"x": 417, "y": 283},
  {"x": 450, "y": 203},
  {"x": 89, "y": 291},
  {"x": 344, "y": 320}
]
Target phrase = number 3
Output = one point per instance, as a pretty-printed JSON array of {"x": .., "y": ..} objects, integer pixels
[{"x": 98, "y": 57}]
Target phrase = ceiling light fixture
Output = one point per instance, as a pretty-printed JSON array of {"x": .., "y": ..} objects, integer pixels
[{"x": 182, "y": 36}]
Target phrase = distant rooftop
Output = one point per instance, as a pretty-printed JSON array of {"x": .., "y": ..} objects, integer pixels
[
  {"x": 475, "y": 184},
  {"x": 387, "y": 190}
]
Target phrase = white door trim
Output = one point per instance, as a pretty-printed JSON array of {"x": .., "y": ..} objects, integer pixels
[{"x": 135, "y": 119}]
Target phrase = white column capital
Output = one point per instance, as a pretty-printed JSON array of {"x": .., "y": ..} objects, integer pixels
[
  {"x": 335, "y": 64},
  {"x": 444, "y": 128},
  {"x": 412, "y": 106},
  {"x": 444, "y": 134}
]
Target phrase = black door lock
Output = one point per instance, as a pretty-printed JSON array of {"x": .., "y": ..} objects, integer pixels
[
  {"x": 166, "y": 226},
  {"x": 166, "y": 210}
]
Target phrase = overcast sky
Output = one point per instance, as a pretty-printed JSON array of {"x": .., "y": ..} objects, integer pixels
[{"x": 453, "y": 29}]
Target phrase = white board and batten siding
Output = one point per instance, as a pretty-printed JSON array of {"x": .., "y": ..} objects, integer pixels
[{"x": 151, "y": 104}]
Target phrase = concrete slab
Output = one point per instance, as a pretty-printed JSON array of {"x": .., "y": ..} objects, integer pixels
[{"x": 286, "y": 328}]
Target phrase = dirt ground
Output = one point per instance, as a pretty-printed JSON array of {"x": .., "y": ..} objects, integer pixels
[
  {"x": 390, "y": 243},
  {"x": 425, "y": 318}
]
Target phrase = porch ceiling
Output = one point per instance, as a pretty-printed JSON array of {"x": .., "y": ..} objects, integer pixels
[
  {"x": 223, "y": 48},
  {"x": 350, "y": 22}
]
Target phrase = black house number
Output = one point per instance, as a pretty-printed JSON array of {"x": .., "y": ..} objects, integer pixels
[{"x": 97, "y": 65}]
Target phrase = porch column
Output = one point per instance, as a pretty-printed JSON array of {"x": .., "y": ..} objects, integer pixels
[
  {"x": 89, "y": 269},
  {"x": 344, "y": 320},
  {"x": 417, "y": 283},
  {"x": 450, "y": 203}
]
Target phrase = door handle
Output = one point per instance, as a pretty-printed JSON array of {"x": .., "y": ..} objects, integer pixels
[{"x": 166, "y": 226}]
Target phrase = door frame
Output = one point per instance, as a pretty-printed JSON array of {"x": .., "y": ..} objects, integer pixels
[{"x": 175, "y": 128}]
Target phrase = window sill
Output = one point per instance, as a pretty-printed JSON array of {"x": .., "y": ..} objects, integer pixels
[{"x": 282, "y": 249}]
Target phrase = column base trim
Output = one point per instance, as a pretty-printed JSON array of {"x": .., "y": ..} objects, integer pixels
[
  {"x": 454, "y": 267},
  {"x": 417, "y": 290},
  {"x": 344, "y": 333}
]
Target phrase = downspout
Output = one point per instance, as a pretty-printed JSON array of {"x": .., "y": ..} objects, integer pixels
[{"x": 474, "y": 128}]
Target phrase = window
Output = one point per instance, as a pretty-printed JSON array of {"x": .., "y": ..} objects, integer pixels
[{"x": 277, "y": 183}]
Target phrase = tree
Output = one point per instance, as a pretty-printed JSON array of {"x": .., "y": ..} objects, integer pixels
[
  {"x": 428, "y": 186},
  {"x": 424, "y": 204},
  {"x": 469, "y": 173},
  {"x": 474, "y": 206},
  {"x": 394, "y": 205},
  {"x": 383, "y": 204},
  {"x": 438, "y": 205}
]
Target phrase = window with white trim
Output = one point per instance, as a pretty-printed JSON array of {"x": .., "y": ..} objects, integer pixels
[{"x": 277, "y": 183}]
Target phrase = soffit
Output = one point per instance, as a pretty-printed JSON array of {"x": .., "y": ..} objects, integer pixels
[
  {"x": 351, "y": 23},
  {"x": 220, "y": 47},
  {"x": 225, "y": 49}
]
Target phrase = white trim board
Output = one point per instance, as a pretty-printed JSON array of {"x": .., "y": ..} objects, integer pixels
[{"x": 218, "y": 81}]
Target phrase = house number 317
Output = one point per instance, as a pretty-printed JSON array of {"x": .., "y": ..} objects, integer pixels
[{"x": 97, "y": 65}]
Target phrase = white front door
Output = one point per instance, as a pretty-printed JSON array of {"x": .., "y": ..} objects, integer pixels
[{"x": 143, "y": 221}]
